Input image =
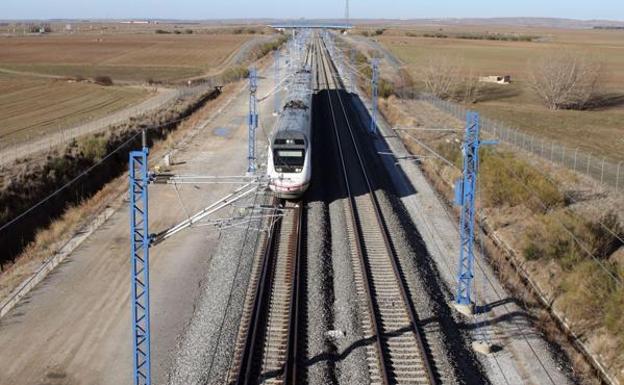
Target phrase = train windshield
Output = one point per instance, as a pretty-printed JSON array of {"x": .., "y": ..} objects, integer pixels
[{"x": 289, "y": 160}]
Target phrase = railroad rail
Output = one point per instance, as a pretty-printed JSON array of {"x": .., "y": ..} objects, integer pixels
[
  {"x": 266, "y": 347},
  {"x": 399, "y": 354}
]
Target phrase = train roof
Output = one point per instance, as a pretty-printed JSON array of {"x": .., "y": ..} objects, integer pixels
[{"x": 295, "y": 118}]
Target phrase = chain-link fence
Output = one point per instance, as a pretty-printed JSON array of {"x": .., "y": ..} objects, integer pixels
[{"x": 600, "y": 168}]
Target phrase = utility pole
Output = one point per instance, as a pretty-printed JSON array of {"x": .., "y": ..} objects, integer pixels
[
  {"x": 347, "y": 12},
  {"x": 277, "y": 82},
  {"x": 353, "y": 75},
  {"x": 465, "y": 194},
  {"x": 253, "y": 121},
  {"x": 375, "y": 94},
  {"x": 139, "y": 254}
]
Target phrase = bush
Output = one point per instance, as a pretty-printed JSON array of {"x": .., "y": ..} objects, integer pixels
[
  {"x": 235, "y": 73},
  {"x": 506, "y": 180},
  {"x": 94, "y": 147},
  {"x": 386, "y": 88},
  {"x": 177, "y": 32},
  {"x": 162, "y": 32},
  {"x": 380, "y": 31},
  {"x": 550, "y": 238},
  {"x": 188, "y": 31},
  {"x": 586, "y": 290},
  {"x": 103, "y": 80}
]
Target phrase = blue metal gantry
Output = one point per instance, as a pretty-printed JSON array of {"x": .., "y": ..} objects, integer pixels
[
  {"x": 139, "y": 249},
  {"x": 375, "y": 95},
  {"x": 465, "y": 193},
  {"x": 253, "y": 120}
]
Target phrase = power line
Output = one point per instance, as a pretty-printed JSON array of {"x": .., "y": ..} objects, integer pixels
[
  {"x": 84, "y": 173},
  {"x": 613, "y": 276}
]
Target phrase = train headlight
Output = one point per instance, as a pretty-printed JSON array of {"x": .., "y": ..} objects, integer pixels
[{"x": 298, "y": 170}]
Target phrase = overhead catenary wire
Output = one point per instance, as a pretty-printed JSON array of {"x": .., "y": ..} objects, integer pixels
[
  {"x": 584, "y": 247},
  {"x": 84, "y": 173}
]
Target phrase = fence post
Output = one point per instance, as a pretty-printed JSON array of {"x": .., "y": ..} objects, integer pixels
[
  {"x": 552, "y": 150},
  {"x": 604, "y": 159},
  {"x": 575, "y": 155},
  {"x": 588, "y": 163},
  {"x": 617, "y": 180}
]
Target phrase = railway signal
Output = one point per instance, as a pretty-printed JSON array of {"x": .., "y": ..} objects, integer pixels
[{"x": 465, "y": 194}]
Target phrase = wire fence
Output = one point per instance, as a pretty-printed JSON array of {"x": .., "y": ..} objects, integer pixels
[{"x": 600, "y": 168}]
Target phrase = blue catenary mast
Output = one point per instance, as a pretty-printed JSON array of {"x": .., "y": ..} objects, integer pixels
[
  {"x": 375, "y": 94},
  {"x": 253, "y": 120},
  {"x": 139, "y": 254},
  {"x": 465, "y": 193}
]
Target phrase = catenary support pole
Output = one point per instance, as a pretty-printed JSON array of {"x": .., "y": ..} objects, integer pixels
[
  {"x": 465, "y": 194},
  {"x": 375, "y": 95},
  {"x": 139, "y": 254},
  {"x": 253, "y": 121}
]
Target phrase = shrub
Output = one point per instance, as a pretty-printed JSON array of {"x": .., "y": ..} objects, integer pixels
[
  {"x": 162, "y": 32},
  {"x": 386, "y": 88},
  {"x": 188, "y": 31},
  {"x": 103, "y": 80},
  {"x": 550, "y": 238},
  {"x": 177, "y": 32},
  {"x": 234, "y": 74},
  {"x": 94, "y": 147},
  {"x": 506, "y": 180},
  {"x": 586, "y": 290},
  {"x": 380, "y": 31}
]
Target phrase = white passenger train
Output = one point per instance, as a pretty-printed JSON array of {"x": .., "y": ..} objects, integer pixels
[{"x": 290, "y": 161}]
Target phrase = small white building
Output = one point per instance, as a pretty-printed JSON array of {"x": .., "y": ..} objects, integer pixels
[{"x": 498, "y": 79}]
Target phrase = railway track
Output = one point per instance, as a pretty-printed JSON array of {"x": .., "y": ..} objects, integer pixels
[
  {"x": 266, "y": 347},
  {"x": 399, "y": 354}
]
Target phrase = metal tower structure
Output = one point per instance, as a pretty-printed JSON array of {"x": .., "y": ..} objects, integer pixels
[
  {"x": 347, "y": 16},
  {"x": 139, "y": 254},
  {"x": 375, "y": 95},
  {"x": 465, "y": 193},
  {"x": 277, "y": 81},
  {"x": 253, "y": 120}
]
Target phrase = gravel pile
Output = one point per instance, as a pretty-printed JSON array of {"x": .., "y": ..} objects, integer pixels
[{"x": 206, "y": 347}]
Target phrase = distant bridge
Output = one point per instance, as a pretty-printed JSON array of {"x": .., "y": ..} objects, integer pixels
[{"x": 311, "y": 26}]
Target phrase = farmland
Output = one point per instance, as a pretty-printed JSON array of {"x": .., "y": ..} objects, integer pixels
[
  {"x": 46, "y": 81},
  {"x": 124, "y": 57},
  {"x": 31, "y": 106},
  {"x": 597, "y": 131}
]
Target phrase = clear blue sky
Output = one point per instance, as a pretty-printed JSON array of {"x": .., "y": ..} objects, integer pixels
[{"x": 213, "y": 9}]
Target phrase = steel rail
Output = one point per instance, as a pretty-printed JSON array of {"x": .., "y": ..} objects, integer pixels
[{"x": 424, "y": 356}]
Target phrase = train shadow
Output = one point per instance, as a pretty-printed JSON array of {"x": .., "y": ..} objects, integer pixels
[{"x": 328, "y": 185}]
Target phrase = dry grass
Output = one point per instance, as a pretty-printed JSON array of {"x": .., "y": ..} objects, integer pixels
[
  {"x": 131, "y": 57},
  {"x": 577, "y": 285},
  {"x": 30, "y": 107},
  {"x": 598, "y": 131}
]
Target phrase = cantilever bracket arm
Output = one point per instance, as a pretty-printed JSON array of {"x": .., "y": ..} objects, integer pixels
[{"x": 240, "y": 193}]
